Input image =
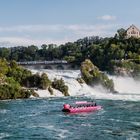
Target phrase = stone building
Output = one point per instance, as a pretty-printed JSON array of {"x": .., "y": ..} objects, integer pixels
[{"x": 132, "y": 31}]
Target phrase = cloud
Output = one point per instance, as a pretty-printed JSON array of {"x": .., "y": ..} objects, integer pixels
[
  {"x": 55, "y": 28},
  {"x": 57, "y": 33},
  {"x": 90, "y": 30},
  {"x": 107, "y": 17},
  {"x": 15, "y": 41},
  {"x": 31, "y": 28}
]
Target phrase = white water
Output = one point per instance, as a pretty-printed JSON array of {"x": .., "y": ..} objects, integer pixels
[
  {"x": 126, "y": 84},
  {"x": 128, "y": 88}
]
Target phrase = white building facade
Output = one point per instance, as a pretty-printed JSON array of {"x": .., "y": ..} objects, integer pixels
[{"x": 133, "y": 31}]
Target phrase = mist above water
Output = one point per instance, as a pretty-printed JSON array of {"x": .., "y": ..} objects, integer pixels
[
  {"x": 126, "y": 84},
  {"x": 128, "y": 88}
]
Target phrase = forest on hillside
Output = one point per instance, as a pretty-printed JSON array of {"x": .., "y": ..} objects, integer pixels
[
  {"x": 117, "y": 55},
  {"x": 105, "y": 53}
]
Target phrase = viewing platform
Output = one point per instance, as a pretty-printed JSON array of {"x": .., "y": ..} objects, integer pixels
[
  {"x": 56, "y": 64},
  {"x": 43, "y": 62}
]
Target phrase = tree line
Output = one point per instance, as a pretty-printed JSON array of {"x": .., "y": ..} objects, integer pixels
[{"x": 101, "y": 51}]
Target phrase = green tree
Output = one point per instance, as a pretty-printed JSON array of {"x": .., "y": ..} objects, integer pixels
[
  {"x": 121, "y": 33},
  {"x": 3, "y": 66},
  {"x": 44, "y": 82},
  {"x": 60, "y": 85}
]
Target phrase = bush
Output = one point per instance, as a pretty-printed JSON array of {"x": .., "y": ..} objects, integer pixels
[
  {"x": 18, "y": 73},
  {"x": 44, "y": 81},
  {"x": 11, "y": 78},
  {"x": 32, "y": 81},
  {"x": 12, "y": 90},
  {"x": 128, "y": 67},
  {"x": 3, "y": 66},
  {"x": 60, "y": 85}
]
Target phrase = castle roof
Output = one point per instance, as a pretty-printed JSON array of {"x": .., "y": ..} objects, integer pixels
[{"x": 133, "y": 26}]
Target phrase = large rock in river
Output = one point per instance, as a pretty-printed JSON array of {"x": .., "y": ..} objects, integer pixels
[{"x": 93, "y": 76}]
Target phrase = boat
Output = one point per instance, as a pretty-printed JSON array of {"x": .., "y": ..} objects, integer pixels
[{"x": 81, "y": 106}]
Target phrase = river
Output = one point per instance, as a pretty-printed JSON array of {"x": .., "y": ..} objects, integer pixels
[{"x": 42, "y": 118}]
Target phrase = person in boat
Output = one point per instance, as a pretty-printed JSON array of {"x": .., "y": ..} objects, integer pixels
[
  {"x": 84, "y": 105},
  {"x": 94, "y": 103}
]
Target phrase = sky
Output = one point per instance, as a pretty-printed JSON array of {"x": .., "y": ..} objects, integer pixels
[{"x": 27, "y": 22}]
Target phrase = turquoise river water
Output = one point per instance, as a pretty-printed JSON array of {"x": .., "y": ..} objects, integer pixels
[{"x": 42, "y": 119}]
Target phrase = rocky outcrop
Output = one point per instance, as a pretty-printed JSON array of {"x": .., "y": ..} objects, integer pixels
[
  {"x": 93, "y": 76},
  {"x": 60, "y": 85},
  {"x": 126, "y": 68}
]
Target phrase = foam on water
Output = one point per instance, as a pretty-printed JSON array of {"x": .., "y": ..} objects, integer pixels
[
  {"x": 128, "y": 88},
  {"x": 4, "y": 135},
  {"x": 3, "y": 111},
  {"x": 126, "y": 84},
  {"x": 59, "y": 133}
]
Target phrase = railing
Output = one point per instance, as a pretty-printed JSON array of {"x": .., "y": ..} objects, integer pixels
[
  {"x": 127, "y": 60},
  {"x": 42, "y": 62}
]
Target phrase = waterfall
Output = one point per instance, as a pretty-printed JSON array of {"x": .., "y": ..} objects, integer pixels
[
  {"x": 128, "y": 88},
  {"x": 126, "y": 84}
]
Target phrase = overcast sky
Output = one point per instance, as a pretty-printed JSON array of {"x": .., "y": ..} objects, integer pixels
[{"x": 26, "y": 22}]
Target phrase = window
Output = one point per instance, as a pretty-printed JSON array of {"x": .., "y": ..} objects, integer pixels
[{"x": 133, "y": 32}]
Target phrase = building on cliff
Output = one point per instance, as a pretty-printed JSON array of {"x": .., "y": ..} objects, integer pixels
[{"x": 133, "y": 31}]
